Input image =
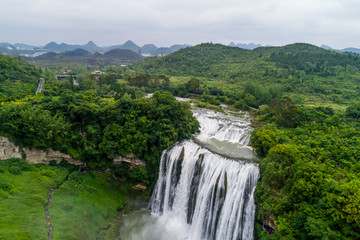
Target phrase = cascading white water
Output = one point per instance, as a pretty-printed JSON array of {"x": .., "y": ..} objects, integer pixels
[
  {"x": 224, "y": 127},
  {"x": 202, "y": 195}
]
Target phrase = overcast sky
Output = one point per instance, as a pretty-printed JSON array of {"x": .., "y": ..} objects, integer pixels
[{"x": 166, "y": 22}]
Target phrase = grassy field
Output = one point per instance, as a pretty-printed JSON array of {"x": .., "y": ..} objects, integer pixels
[
  {"x": 23, "y": 189},
  {"x": 86, "y": 206},
  {"x": 318, "y": 101}
]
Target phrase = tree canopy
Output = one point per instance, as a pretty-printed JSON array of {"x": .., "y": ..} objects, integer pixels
[
  {"x": 95, "y": 130},
  {"x": 309, "y": 187}
]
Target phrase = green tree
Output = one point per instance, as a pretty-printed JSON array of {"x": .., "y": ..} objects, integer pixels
[
  {"x": 353, "y": 112},
  {"x": 193, "y": 85}
]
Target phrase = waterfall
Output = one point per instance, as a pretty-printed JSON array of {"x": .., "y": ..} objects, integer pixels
[
  {"x": 205, "y": 189},
  {"x": 211, "y": 193},
  {"x": 224, "y": 128}
]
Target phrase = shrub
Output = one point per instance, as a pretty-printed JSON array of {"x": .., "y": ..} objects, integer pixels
[
  {"x": 241, "y": 105},
  {"x": 15, "y": 170},
  {"x": 121, "y": 170},
  {"x": 21, "y": 164},
  {"x": 353, "y": 111},
  {"x": 139, "y": 175},
  {"x": 52, "y": 163}
]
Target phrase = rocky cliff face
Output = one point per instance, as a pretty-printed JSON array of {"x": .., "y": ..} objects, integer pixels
[
  {"x": 40, "y": 156},
  {"x": 131, "y": 159},
  {"x": 9, "y": 150}
]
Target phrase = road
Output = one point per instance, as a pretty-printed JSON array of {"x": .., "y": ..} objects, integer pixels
[{"x": 40, "y": 86}]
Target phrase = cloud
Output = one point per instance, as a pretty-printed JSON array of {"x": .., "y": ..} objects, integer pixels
[{"x": 333, "y": 22}]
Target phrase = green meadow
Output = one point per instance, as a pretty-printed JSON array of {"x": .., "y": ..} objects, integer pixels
[
  {"x": 86, "y": 206},
  {"x": 23, "y": 194}
]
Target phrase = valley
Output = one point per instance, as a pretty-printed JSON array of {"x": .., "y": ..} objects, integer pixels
[{"x": 264, "y": 147}]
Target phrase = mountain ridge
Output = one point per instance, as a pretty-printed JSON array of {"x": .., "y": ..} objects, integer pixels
[
  {"x": 146, "y": 50},
  {"x": 348, "y": 49},
  {"x": 112, "y": 57}
]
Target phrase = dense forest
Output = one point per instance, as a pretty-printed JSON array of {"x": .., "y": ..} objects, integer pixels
[
  {"x": 304, "y": 101},
  {"x": 17, "y": 78},
  {"x": 95, "y": 130},
  {"x": 309, "y": 187}
]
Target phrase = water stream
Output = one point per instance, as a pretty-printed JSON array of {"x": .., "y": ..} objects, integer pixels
[{"x": 205, "y": 189}]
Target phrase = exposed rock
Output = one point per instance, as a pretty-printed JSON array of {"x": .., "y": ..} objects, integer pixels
[
  {"x": 181, "y": 157},
  {"x": 40, "y": 156},
  {"x": 131, "y": 159},
  {"x": 9, "y": 150},
  {"x": 249, "y": 147},
  {"x": 140, "y": 187}
]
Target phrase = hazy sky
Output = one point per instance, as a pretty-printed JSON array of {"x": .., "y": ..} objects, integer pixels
[{"x": 167, "y": 22}]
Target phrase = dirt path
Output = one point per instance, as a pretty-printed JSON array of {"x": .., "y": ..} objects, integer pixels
[{"x": 47, "y": 214}]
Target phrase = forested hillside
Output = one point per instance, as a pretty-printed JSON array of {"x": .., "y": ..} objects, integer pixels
[
  {"x": 85, "y": 59},
  {"x": 76, "y": 119},
  {"x": 310, "y": 181},
  {"x": 17, "y": 78},
  {"x": 310, "y": 74}
]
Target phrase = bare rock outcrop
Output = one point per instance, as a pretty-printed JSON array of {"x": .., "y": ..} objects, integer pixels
[
  {"x": 32, "y": 155},
  {"x": 40, "y": 156},
  {"x": 8, "y": 149},
  {"x": 140, "y": 187},
  {"x": 131, "y": 159}
]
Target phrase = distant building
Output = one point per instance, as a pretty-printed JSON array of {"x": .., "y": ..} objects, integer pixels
[{"x": 63, "y": 77}]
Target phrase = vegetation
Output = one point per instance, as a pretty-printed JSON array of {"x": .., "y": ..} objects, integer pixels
[
  {"x": 309, "y": 176},
  {"x": 95, "y": 130},
  {"x": 309, "y": 186},
  {"x": 83, "y": 58},
  {"x": 17, "y": 78},
  {"x": 309, "y": 183},
  {"x": 23, "y": 194},
  {"x": 86, "y": 206},
  {"x": 74, "y": 118},
  {"x": 311, "y": 75}
]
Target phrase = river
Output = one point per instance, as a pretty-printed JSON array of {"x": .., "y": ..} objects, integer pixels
[{"x": 206, "y": 185}]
